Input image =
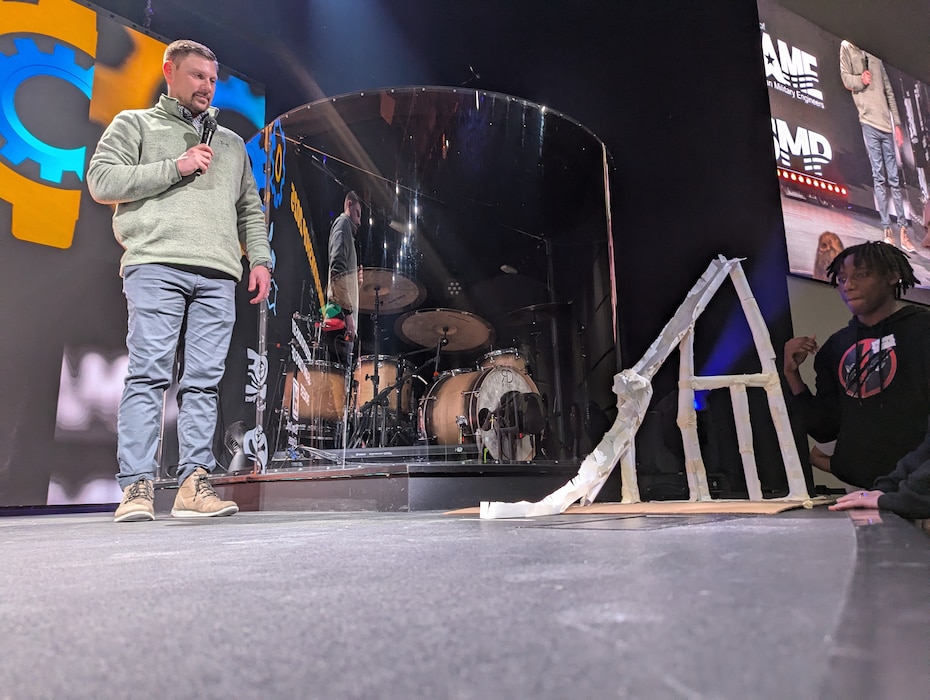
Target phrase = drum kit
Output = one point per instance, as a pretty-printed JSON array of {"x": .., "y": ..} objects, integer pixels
[{"x": 384, "y": 400}]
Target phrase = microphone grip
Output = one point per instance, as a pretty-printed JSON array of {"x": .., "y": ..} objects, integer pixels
[
  {"x": 206, "y": 135},
  {"x": 205, "y": 138}
]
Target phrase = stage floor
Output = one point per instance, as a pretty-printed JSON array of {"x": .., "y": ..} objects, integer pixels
[
  {"x": 383, "y": 479},
  {"x": 803, "y": 604}
]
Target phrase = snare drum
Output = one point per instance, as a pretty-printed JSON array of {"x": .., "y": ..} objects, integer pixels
[
  {"x": 449, "y": 412},
  {"x": 506, "y": 357},
  {"x": 390, "y": 369},
  {"x": 320, "y": 395}
]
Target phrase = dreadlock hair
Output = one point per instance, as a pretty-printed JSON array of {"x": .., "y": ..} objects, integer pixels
[{"x": 878, "y": 257}]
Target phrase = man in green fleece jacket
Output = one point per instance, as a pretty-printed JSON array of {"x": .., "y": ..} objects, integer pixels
[
  {"x": 865, "y": 77},
  {"x": 185, "y": 209}
]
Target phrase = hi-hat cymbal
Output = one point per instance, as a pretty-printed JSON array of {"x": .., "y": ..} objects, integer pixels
[
  {"x": 539, "y": 312},
  {"x": 427, "y": 327},
  {"x": 392, "y": 291}
]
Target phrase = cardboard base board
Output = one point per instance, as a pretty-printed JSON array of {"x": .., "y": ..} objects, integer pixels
[{"x": 716, "y": 506}]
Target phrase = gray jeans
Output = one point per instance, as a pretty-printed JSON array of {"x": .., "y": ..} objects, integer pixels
[
  {"x": 884, "y": 163},
  {"x": 161, "y": 300}
]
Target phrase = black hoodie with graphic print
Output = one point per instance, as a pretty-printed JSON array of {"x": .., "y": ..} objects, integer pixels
[
  {"x": 907, "y": 488},
  {"x": 873, "y": 394}
]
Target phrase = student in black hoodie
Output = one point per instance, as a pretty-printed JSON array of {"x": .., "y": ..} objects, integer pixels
[
  {"x": 873, "y": 376},
  {"x": 906, "y": 491}
]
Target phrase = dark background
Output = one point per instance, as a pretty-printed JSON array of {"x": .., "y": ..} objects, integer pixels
[{"x": 674, "y": 88}]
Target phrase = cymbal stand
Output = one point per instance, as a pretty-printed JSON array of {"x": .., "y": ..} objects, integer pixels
[
  {"x": 542, "y": 380},
  {"x": 534, "y": 335}
]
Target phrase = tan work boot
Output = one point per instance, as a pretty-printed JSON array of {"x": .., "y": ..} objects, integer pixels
[
  {"x": 197, "y": 499},
  {"x": 906, "y": 242},
  {"x": 888, "y": 238},
  {"x": 138, "y": 503}
]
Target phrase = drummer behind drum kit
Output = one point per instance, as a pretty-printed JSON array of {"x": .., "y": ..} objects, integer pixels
[{"x": 494, "y": 404}]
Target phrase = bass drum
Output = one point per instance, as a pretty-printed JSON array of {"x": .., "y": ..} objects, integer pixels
[
  {"x": 451, "y": 411},
  {"x": 508, "y": 357},
  {"x": 321, "y": 396}
]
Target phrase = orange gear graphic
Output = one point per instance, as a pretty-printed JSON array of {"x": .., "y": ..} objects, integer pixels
[
  {"x": 131, "y": 84},
  {"x": 42, "y": 214}
]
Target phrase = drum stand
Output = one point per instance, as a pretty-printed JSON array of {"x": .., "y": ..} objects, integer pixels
[
  {"x": 380, "y": 399},
  {"x": 349, "y": 404},
  {"x": 374, "y": 408},
  {"x": 284, "y": 412}
]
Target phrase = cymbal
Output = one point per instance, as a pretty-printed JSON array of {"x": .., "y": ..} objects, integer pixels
[
  {"x": 427, "y": 327},
  {"x": 537, "y": 312},
  {"x": 394, "y": 291}
]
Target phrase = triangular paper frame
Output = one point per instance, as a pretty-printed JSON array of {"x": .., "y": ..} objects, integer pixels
[{"x": 633, "y": 388}]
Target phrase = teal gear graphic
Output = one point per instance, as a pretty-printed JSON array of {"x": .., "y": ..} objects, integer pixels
[
  {"x": 29, "y": 62},
  {"x": 235, "y": 95}
]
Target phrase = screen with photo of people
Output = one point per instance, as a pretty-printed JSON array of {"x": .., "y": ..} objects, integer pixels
[{"x": 851, "y": 138}]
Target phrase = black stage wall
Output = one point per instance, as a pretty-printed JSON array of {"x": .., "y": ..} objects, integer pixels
[{"x": 675, "y": 89}]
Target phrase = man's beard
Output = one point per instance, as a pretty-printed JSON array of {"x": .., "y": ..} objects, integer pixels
[{"x": 193, "y": 108}]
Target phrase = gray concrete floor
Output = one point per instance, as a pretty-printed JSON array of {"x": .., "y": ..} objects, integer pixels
[{"x": 374, "y": 605}]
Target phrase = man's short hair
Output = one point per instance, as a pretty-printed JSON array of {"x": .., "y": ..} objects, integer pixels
[
  {"x": 351, "y": 197},
  {"x": 177, "y": 50}
]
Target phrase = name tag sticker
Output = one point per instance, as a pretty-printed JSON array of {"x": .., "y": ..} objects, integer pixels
[{"x": 885, "y": 343}]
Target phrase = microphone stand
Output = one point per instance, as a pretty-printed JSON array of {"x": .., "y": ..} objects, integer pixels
[
  {"x": 443, "y": 341},
  {"x": 381, "y": 395}
]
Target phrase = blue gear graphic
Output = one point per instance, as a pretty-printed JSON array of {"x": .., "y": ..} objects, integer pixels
[
  {"x": 29, "y": 62},
  {"x": 273, "y": 298},
  {"x": 235, "y": 95},
  {"x": 258, "y": 157},
  {"x": 275, "y": 142}
]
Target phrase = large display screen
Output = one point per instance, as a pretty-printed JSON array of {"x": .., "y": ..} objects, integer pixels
[
  {"x": 827, "y": 131},
  {"x": 66, "y": 69}
]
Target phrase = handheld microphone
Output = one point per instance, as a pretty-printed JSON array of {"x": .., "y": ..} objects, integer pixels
[
  {"x": 206, "y": 134},
  {"x": 209, "y": 128},
  {"x": 865, "y": 59}
]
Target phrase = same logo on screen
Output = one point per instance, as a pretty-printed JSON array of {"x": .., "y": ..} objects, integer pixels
[{"x": 792, "y": 71}]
